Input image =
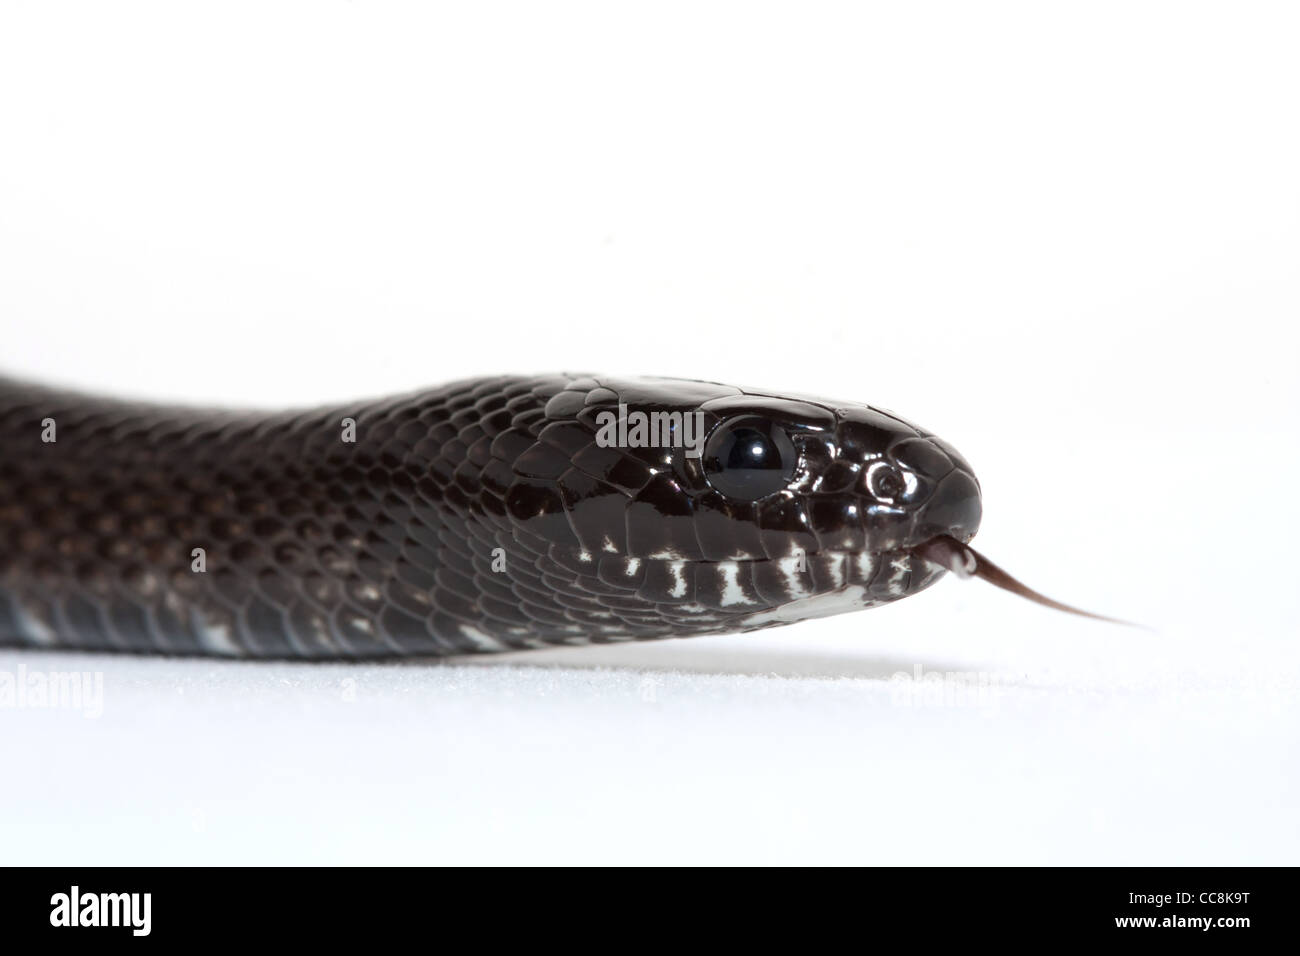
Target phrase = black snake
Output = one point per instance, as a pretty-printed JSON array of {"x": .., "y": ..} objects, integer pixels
[{"x": 487, "y": 515}]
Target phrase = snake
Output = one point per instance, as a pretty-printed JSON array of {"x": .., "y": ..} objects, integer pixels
[{"x": 500, "y": 513}]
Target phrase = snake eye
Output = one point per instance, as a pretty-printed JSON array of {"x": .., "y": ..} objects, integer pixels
[
  {"x": 885, "y": 481},
  {"x": 749, "y": 458}
]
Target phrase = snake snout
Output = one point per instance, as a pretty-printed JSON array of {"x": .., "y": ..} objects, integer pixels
[{"x": 954, "y": 509}]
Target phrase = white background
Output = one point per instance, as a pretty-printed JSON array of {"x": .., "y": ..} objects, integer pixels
[{"x": 1063, "y": 236}]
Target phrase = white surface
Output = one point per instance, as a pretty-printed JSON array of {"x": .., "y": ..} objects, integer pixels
[{"x": 1065, "y": 239}]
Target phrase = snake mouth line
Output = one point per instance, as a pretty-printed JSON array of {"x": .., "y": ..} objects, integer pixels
[{"x": 965, "y": 562}]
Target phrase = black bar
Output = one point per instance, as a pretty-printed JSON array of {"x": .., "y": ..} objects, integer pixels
[{"x": 629, "y": 907}]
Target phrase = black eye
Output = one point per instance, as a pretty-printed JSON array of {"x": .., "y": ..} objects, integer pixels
[
  {"x": 749, "y": 458},
  {"x": 885, "y": 481}
]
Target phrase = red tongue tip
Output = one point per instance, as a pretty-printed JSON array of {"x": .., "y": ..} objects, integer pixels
[{"x": 964, "y": 561}]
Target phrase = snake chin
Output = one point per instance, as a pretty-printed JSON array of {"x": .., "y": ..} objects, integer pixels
[
  {"x": 855, "y": 581},
  {"x": 852, "y": 597}
]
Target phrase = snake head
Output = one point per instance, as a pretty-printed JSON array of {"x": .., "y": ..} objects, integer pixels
[{"x": 730, "y": 504}]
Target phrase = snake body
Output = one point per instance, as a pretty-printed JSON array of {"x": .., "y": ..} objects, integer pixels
[{"x": 486, "y": 515}]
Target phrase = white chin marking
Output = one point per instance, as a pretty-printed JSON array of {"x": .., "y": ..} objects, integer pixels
[
  {"x": 851, "y": 598},
  {"x": 794, "y": 570},
  {"x": 731, "y": 591},
  {"x": 214, "y": 635},
  {"x": 34, "y": 628},
  {"x": 482, "y": 641},
  {"x": 678, "y": 569}
]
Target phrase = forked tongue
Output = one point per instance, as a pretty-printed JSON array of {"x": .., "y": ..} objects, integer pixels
[{"x": 965, "y": 562}]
